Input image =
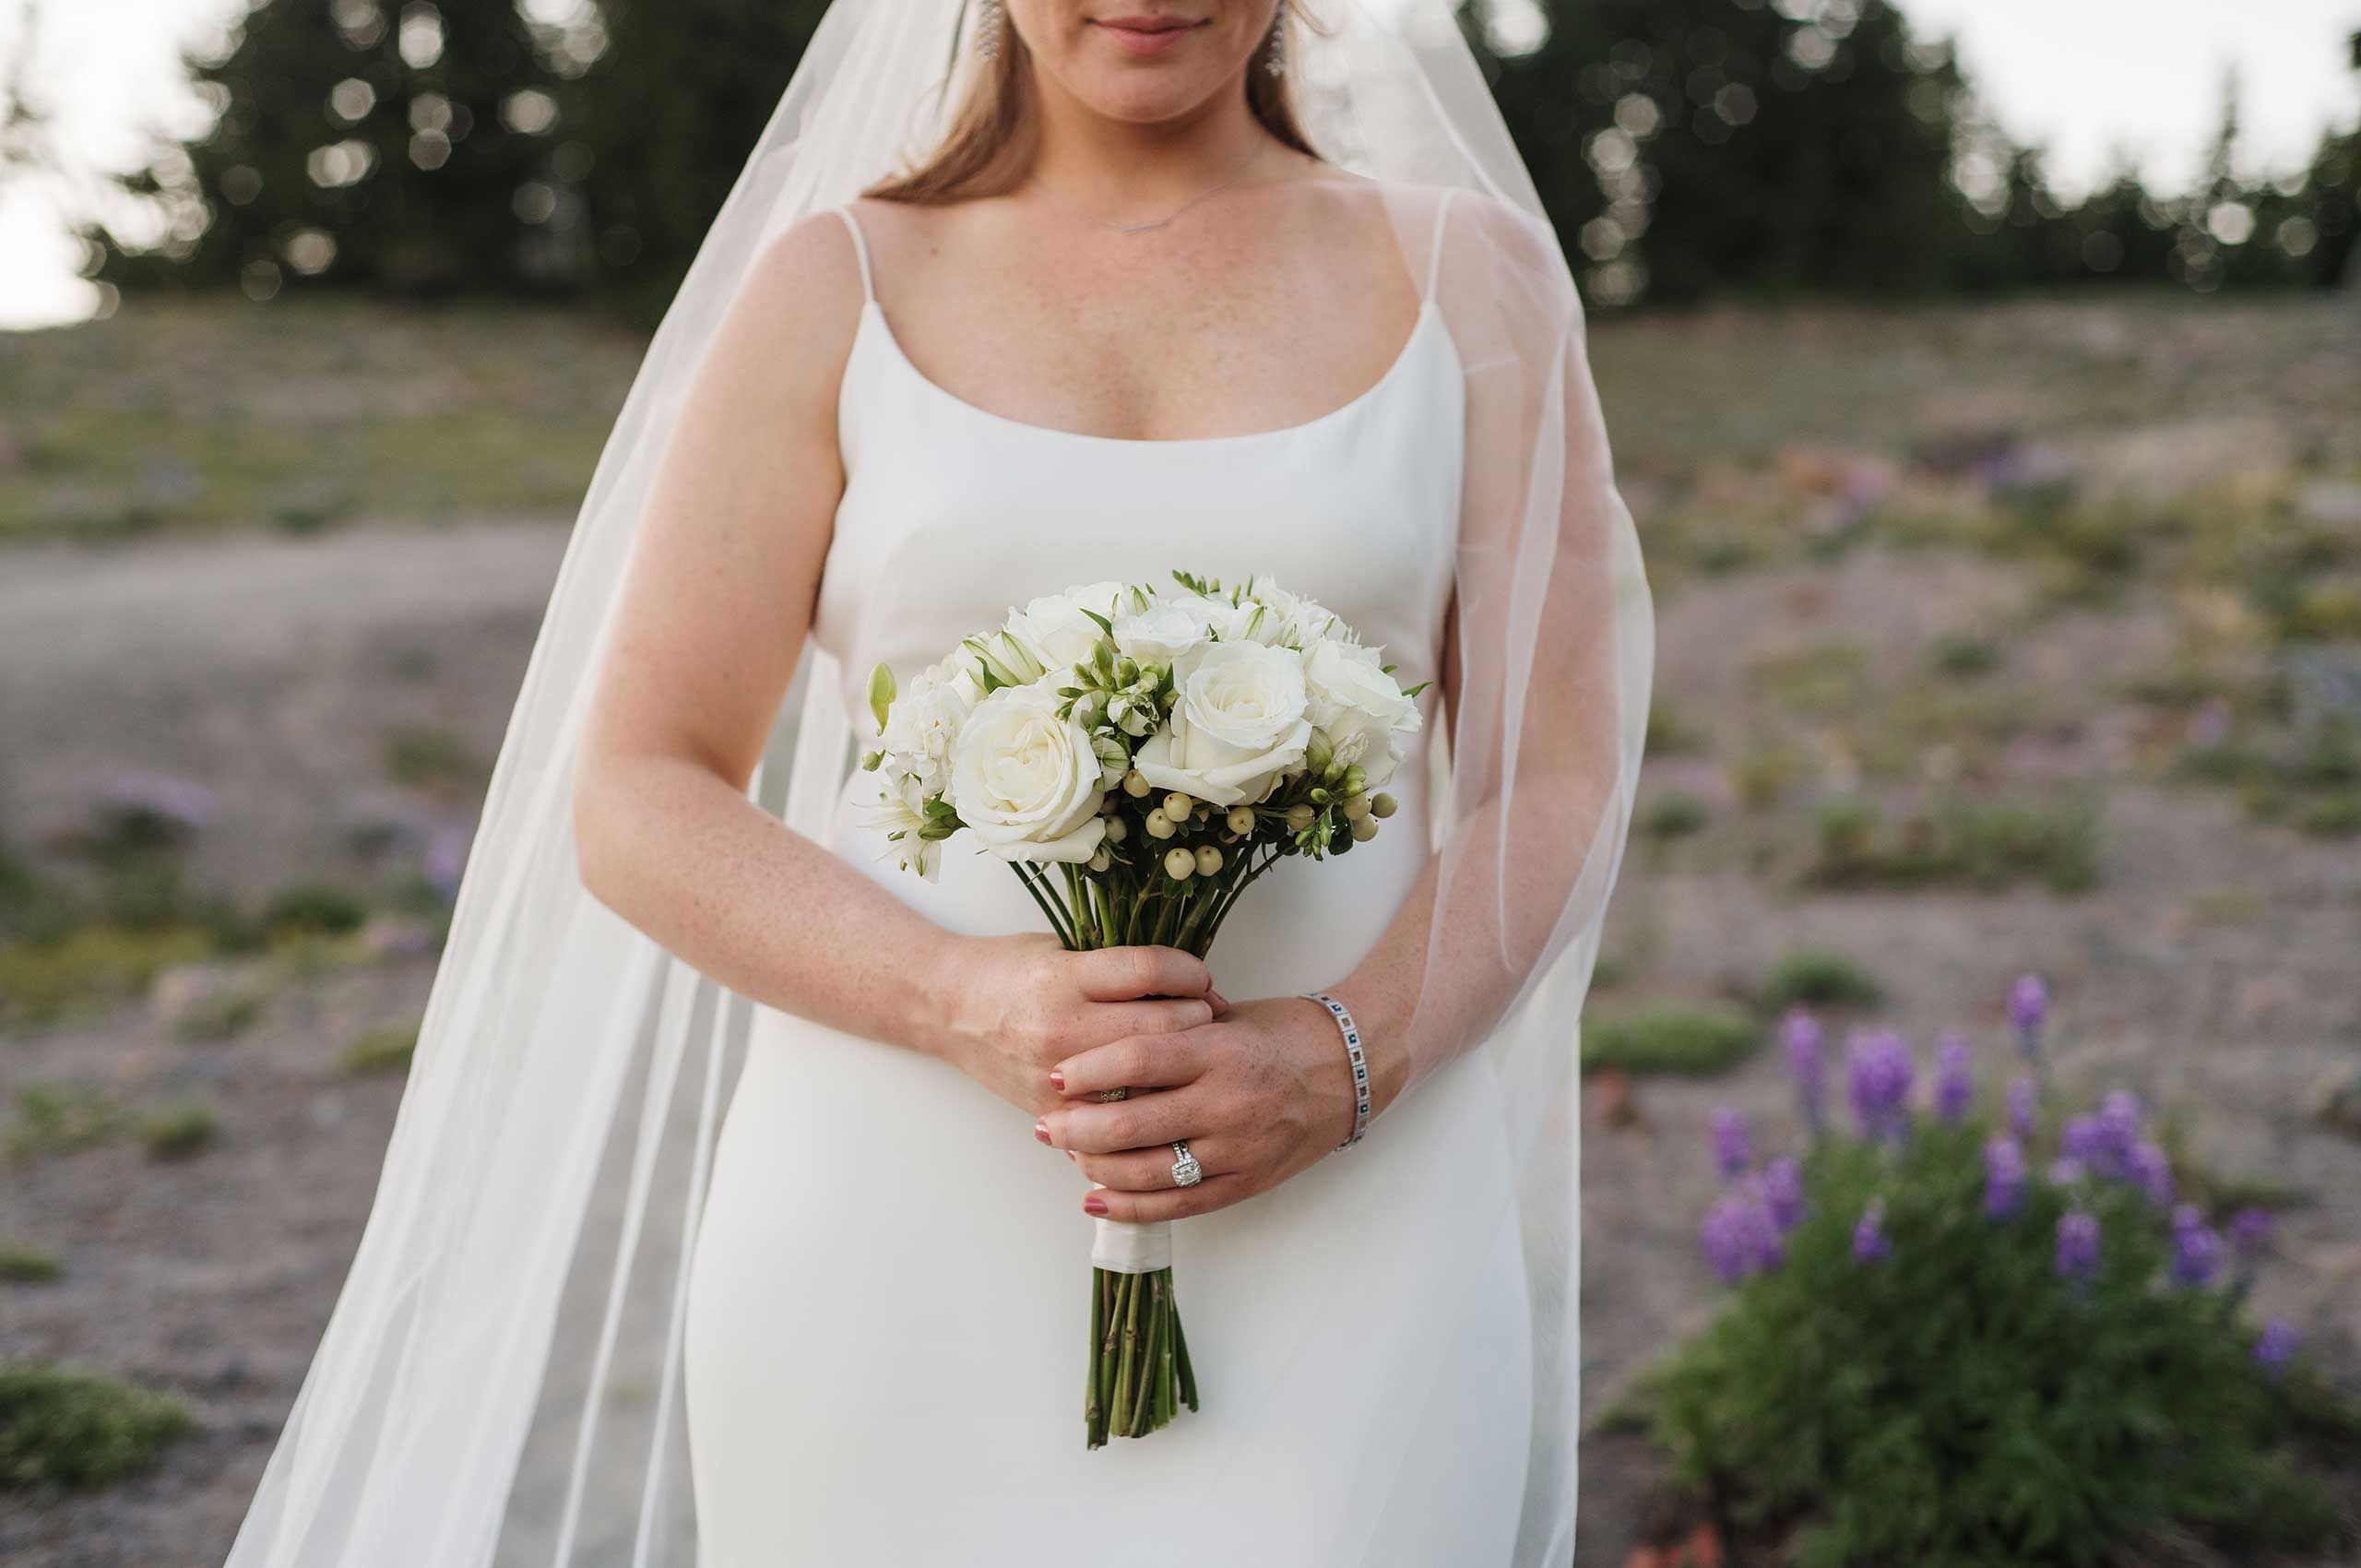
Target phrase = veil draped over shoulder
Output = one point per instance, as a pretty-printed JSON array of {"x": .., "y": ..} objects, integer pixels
[{"x": 500, "y": 1382}]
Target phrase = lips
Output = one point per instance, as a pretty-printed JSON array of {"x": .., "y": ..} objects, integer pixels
[{"x": 1146, "y": 35}]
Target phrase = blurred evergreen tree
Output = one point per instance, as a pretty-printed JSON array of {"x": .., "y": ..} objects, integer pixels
[
  {"x": 672, "y": 109},
  {"x": 410, "y": 146},
  {"x": 1694, "y": 146}
]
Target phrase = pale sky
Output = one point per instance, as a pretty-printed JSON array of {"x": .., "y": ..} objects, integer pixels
[{"x": 2083, "y": 77}]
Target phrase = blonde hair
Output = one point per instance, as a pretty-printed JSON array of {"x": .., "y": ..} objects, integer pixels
[{"x": 990, "y": 144}]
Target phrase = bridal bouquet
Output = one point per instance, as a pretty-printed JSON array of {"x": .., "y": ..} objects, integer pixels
[{"x": 1139, "y": 756}]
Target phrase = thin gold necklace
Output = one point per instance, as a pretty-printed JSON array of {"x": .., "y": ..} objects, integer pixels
[{"x": 1090, "y": 217}]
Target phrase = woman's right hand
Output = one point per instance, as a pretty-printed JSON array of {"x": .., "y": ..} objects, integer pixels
[{"x": 1015, "y": 1006}]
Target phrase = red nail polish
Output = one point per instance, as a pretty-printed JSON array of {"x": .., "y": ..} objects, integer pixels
[
  {"x": 1041, "y": 1131},
  {"x": 1094, "y": 1204},
  {"x": 1057, "y": 1080}
]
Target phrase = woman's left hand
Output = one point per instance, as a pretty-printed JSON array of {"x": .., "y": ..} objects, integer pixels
[{"x": 1258, "y": 1094}]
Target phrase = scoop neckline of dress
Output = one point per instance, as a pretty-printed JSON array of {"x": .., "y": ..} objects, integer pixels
[{"x": 873, "y": 313}]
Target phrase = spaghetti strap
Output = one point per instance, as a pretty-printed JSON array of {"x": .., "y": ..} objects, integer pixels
[
  {"x": 860, "y": 249},
  {"x": 1434, "y": 256}
]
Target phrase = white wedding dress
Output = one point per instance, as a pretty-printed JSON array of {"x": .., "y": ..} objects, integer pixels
[{"x": 889, "y": 1300}]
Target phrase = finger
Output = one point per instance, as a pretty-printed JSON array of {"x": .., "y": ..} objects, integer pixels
[
  {"x": 1142, "y": 1121},
  {"x": 1120, "y": 974},
  {"x": 1144, "y": 1208},
  {"x": 1108, "y": 1021},
  {"x": 1139, "y": 1062},
  {"x": 1150, "y": 1170}
]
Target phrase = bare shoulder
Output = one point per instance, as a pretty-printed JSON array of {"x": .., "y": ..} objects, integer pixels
[{"x": 796, "y": 313}]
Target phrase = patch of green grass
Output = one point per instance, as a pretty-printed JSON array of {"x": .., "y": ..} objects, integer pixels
[
  {"x": 386, "y": 1050},
  {"x": 1955, "y": 838},
  {"x": 315, "y": 909},
  {"x": 1814, "y": 979},
  {"x": 1668, "y": 734},
  {"x": 60, "y": 1428},
  {"x": 1763, "y": 776},
  {"x": 1670, "y": 1038},
  {"x": 432, "y": 759},
  {"x": 1827, "y": 681},
  {"x": 1963, "y": 656},
  {"x": 2336, "y": 815},
  {"x": 1674, "y": 813},
  {"x": 60, "y": 1119},
  {"x": 179, "y": 1132},
  {"x": 93, "y": 966},
  {"x": 24, "y": 1263}
]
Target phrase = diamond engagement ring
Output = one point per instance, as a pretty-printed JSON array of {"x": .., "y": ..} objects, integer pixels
[
  {"x": 1186, "y": 1172},
  {"x": 1108, "y": 1096}
]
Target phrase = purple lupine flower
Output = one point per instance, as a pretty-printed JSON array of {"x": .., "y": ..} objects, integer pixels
[
  {"x": 2148, "y": 1169},
  {"x": 1731, "y": 1153},
  {"x": 2025, "y": 1109},
  {"x": 1870, "y": 1243},
  {"x": 1800, "y": 1033},
  {"x": 1879, "y": 1073},
  {"x": 2197, "y": 1256},
  {"x": 2119, "y": 1121},
  {"x": 2028, "y": 1011},
  {"x": 2066, "y": 1173},
  {"x": 2004, "y": 1177},
  {"x": 2249, "y": 1233},
  {"x": 1783, "y": 1194},
  {"x": 2078, "y": 1244},
  {"x": 1737, "y": 1236},
  {"x": 1954, "y": 1078},
  {"x": 2083, "y": 1140},
  {"x": 2275, "y": 1346}
]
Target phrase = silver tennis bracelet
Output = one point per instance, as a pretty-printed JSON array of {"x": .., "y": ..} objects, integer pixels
[{"x": 1344, "y": 1018}]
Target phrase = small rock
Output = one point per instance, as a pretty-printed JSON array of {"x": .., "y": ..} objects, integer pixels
[{"x": 2334, "y": 501}]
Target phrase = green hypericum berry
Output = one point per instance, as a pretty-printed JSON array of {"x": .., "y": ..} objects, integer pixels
[
  {"x": 1178, "y": 864},
  {"x": 1383, "y": 806}
]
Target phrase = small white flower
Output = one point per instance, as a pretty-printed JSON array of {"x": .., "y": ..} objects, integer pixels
[
  {"x": 1165, "y": 632},
  {"x": 898, "y": 822},
  {"x": 1026, "y": 781},
  {"x": 925, "y": 721}
]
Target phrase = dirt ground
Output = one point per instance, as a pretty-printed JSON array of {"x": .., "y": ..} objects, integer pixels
[{"x": 272, "y": 668}]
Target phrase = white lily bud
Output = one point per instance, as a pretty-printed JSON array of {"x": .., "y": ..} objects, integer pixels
[
  {"x": 1383, "y": 805},
  {"x": 1208, "y": 859},
  {"x": 1241, "y": 820},
  {"x": 1299, "y": 818},
  {"x": 1364, "y": 829},
  {"x": 1100, "y": 860},
  {"x": 1356, "y": 807},
  {"x": 1178, "y": 864},
  {"x": 1177, "y": 806},
  {"x": 1158, "y": 824},
  {"x": 1116, "y": 830},
  {"x": 1135, "y": 784}
]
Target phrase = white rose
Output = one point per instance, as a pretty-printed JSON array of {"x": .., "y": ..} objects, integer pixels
[
  {"x": 1025, "y": 781},
  {"x": 1236, "y": 727},
  {"x": 1357, "y": 708},
  {"x": 1165, "y": 633},
  {"x": 1054, "y": 630}
]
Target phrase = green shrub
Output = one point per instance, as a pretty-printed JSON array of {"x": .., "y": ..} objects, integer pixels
[
  {"x": 432, "y": 759},
  {"x": 380, "y": 1051},
  {"x": 1965, "y": 656},
  {"x": 91, "y": 967},
  {"x": 60, "y": 1119},
  {"x": 1919, "y": 1366},
  {"x": 1674, "y": 813},
  {"x": 1668, "y": 1038},
  {"x": 179, "y": 1132},
  {"x": 68, "y": 1429},
  {"x": 314, "y": 910},
  {"x": 23, "y": 1264},
  {"x": 1955, "y": 838},
  {"x": 1819, "y": 980}
]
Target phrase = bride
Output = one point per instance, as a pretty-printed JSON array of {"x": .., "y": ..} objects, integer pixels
[{"x": 1231, "y": 286}]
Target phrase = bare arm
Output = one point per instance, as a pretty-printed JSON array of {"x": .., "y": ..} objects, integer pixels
[{"x": 713, "y": 616}]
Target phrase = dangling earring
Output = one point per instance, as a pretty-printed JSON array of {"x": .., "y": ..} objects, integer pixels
[
  {"x": 990, "y": 17},
  {"x": 1275, "y": 60}
]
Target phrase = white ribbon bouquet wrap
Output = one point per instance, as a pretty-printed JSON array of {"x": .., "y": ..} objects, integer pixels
[{"x": 1139, "y": 756}]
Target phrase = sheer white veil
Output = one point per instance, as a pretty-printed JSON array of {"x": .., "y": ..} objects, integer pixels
[{"x": 500, "y": 1380}]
